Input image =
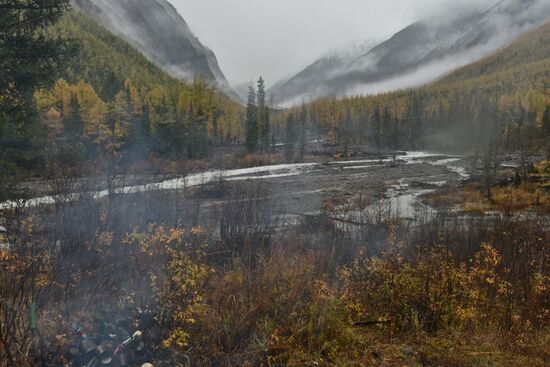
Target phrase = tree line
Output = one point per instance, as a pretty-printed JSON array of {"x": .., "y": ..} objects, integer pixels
[
  {"x": 501, "y": 102},
  {"x": 71, "y": 93},
  {"x": 259, "y": 136},
  {"x": 513, "y": 114},
  {"x": 178, "y": 124}
]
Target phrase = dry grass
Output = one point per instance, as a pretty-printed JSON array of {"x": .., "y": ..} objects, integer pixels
[
  {"x": 446, "y": 348},
  {"x": 526, "y": 196},
  {"x": 532, "y": 194}
]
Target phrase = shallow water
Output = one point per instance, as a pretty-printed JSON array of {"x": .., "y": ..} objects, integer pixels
[{"x": 401, "y": 197}]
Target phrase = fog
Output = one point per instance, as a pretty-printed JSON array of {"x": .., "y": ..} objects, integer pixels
[
  {"x": 277, "y": 38},
  {"x": 434, "y": 46},
  {"x": 503, "y": 27}
]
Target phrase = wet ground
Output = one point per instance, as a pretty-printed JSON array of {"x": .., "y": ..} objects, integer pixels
[
  {"x": 398, "y": 182},
  {"x": 395, "y": 179}
]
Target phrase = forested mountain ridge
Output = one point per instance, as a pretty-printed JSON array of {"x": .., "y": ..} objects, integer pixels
[
  {"x": 155, "y": 28},
  {"x": 528, "y": 48},
  {"x": 112, "y": 100},
  {"x": 500, "y": 102},
  {"x": 419, "y": 53}
]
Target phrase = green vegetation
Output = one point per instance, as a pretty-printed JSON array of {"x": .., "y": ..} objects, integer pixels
[
  {"x": 109, "y": 104},
  {"x": 130, "y": 107},
  {"x": 30, "y": 58},
  {"x": 258, "y": 125}
]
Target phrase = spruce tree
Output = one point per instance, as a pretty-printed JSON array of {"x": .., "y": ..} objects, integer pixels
[
  {"x": 415, "y": 124},
  {"x": 31, "y": 58},
  {"x": 376, "y": 127},
  {"x": 263, "y": 116},
  {"x": 546, "y": 129},
  {"x": 165, "y": 119},
  {"x": 70, "y": 140},
  {"x": 251, "y": 121},
  {"x": 546, "y": 121},
  {"x": 139, "y": 140}
]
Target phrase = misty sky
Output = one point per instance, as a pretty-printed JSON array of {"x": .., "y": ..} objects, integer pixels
[{"x": 275, "y": 38}]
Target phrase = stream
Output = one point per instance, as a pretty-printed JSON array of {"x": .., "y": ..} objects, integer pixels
[{"x": 304, "y": 185}]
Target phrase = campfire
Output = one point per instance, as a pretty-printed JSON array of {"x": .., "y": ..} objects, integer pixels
[
  {"x": 4, "y": 244},
  {"x": 106, "y": 344}
]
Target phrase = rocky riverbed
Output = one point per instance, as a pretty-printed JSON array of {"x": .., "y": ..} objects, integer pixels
[{"x": 303, "y": 188}]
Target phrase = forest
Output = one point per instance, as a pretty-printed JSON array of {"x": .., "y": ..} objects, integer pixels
[
  {"x": 502, "y": 101},
  {"x": 111, "y": 104}
]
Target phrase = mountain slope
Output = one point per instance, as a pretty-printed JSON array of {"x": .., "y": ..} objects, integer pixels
[
  {"x": 420, "y": 53},
  {"x": 528, "y": 50},
  {"x": 501, "y": 100},
  {"x": 155, "y": 28},
  {"x": 113, "y": 84},
  {"x": 107, "y": 61},
  {"x": 326, "y": 66}
]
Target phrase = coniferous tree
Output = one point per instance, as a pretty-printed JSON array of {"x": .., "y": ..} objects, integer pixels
[
  {"x": 376, "y": 122},
  {"x": 546, "y": 121},
  {"x": 30, "y": 59},
  {"x": 217, "y": 136},
  {"x": 365, "y": 127},
  {"x": 165, "y": 116},
  {"x": 71, "y": 137},
  {"x": 139, "y": 139},
  {"x": 346, "y": 130},
  {"x": 263, "y": 116},
  {"x": 198, "y": 136},
  {"x": 251, "y": 121},
  {"x": 180, "y": 137},
  {"x": 546, "y": 129},
  {"x": 415, "y": 124},
  {"x": 386, "y": 128}
]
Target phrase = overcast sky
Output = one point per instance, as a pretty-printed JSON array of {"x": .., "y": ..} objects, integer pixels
[{"x": 275, "y": 38}]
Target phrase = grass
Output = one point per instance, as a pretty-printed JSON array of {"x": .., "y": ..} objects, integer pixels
[
  {"x": 532, "y": 194},
  {"x": 446, "y": 348}
]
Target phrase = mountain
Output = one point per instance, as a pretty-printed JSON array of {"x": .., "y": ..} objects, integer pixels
[
  {"x": 530, "y": 52},
  {"x": 156, "y": 29},
  {"x": 501, "y": 99},
  {"x": 417, "y": 54},
  {"x": 112, "y": 82},
  {"x": 326, "y": 66}
]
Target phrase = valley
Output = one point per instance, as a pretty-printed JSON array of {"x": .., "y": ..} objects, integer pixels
[
  {"x": 386, "y": 206},
  {"x": 304, "y": 188}
]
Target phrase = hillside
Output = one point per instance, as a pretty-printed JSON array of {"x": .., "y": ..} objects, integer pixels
[
  {"x": 106, "y": 61},
  {"x": 113, "y": 97},
  {"x": 418, "y": 54},
  {"x": 527, "y": 51},
  {"x": 157, "y": 30},
  {"x": 500, "y": 101}
]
